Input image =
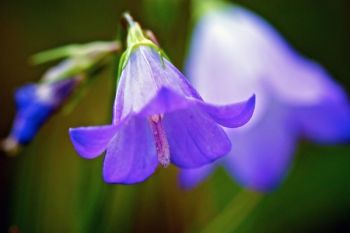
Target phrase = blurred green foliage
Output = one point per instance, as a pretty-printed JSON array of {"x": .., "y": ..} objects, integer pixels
[{"x": 48, "y": 188}]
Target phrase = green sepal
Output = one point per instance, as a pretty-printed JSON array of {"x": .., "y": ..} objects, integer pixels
[
  {"x": 82, "y": 60},
  {"x": 135, "y": 39},
  {"x": 53, "y": 54},
  {"x": 126, "y": 55},
  {"x": 74, "y": 50}
]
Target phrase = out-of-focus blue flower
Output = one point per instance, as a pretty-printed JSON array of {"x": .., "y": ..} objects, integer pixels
[
  {"x": 158, "y": 118},
  {"x": 35, "y": 103},
  {"x": 236, "y": 53}
]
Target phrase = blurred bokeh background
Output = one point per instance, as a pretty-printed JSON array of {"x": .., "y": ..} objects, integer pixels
[{"x": 49, "y": 188}]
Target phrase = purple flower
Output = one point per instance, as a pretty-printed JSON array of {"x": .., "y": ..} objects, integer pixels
[
  {"x": 236, "y": 53},
  {"x": 157, "y": 118},
  {"x": 35, "y": 104}
]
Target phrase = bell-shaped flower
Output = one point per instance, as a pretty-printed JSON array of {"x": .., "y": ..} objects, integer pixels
[
  {"x": 157, "y": 118},
  {"x": 235, "y": 53}
]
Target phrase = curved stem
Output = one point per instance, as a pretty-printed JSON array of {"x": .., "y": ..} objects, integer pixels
[{"x": 234, "y": 213}]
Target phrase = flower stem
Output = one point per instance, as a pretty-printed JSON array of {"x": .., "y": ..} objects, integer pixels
[{"x": 234, "y": 213}]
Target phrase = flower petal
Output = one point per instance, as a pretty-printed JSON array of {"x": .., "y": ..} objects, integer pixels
[
  {"x": 262, "y": 154},
  {"x": 232, "y": 116},
  {"x": 25, "y": 95},
  {"x": 300, "y": 81},
  {"x": 328, "y": 122},
  {"x": 189, "y": 178},
  {"x": 166, "y": 100},
  {"x": 148, "y": 79},
  {"x": 220, "y": 60},
  {"x": 31, "y": 114},
  {"x": 194, "y": 138},
  {"x": 131, "y": 155},
  {"x": 90, "y": 142}
]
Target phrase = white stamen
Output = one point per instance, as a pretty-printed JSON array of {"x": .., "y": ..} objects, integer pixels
[{"x": 162, "y": 145}]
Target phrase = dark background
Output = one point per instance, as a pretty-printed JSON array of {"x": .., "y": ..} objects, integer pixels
[{"x": 48, "y": 188}]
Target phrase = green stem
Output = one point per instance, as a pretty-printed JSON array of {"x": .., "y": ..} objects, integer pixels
[
  {"x": 53, "y": 54},
  {"x": 234, "y": 213}
]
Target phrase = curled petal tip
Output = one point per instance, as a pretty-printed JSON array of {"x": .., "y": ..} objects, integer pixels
[
  {"x": 90, "y": 142},
  {"x": 232, "y": 115}
]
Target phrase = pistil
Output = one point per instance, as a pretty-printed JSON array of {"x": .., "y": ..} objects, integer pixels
[{"x": 161, "y": 142}]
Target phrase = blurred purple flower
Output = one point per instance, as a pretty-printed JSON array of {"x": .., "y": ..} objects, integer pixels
[
  {"x": 35, "y": 104},
  {"x": 158, "y": 118},
  {"x": 236, "y": 53}
]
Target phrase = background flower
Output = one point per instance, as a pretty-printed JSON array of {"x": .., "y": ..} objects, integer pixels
[
  {"x": 35, "y": 104},
  {"x": 235, "y": 53}
]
